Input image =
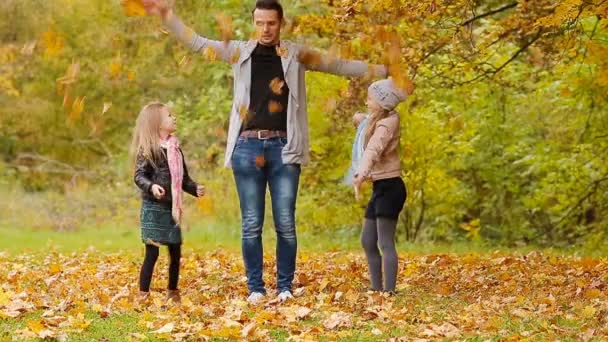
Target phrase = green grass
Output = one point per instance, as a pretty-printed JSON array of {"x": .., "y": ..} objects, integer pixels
[
  {"x": 218, "y": 236},
  {"x": 115, "y": 327}
]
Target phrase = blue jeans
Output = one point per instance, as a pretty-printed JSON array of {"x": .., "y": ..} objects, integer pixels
[{"x": 256, "y": 163}]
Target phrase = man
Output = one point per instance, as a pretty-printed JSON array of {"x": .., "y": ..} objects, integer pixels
[{"x": 268, "y": 131}]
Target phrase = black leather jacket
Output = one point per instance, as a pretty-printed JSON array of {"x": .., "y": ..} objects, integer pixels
[{"x": 147, "y": 174}]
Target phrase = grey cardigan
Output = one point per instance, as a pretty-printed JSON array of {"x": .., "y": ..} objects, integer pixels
[{"x": 238, "y": 54}]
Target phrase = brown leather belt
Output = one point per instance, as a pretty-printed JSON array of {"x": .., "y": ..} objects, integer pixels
[{"x": 263, "y": 134}]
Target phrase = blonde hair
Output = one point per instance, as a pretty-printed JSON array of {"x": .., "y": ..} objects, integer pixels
[
  {"x": 374, "y": 117},
  {"x": 146, "y": 138}
]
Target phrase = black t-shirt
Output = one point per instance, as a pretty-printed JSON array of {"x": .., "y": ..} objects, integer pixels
[{"x": 269, "y": 92}]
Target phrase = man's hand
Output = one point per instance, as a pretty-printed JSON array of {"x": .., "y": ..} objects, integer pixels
[{"x": 161, "y": 8}]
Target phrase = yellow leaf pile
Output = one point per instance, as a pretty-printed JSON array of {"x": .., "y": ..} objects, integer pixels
[{"x": 439, "y": 296}]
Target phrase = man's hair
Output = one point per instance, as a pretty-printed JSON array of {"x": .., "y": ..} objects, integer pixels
[{"x": 269, "y": 5}]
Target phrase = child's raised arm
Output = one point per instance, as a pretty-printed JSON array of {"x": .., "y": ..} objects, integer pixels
[{"x": 358, "y": 118}]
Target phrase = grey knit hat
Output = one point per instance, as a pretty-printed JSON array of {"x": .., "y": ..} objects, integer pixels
[{"x": 386, "y": 93}]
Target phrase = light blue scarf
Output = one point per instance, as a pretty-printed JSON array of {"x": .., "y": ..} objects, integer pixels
[{"x": 357, "y": 152}]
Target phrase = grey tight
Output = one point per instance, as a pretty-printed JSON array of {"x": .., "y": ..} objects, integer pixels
[{"x": 380, "y": 233}]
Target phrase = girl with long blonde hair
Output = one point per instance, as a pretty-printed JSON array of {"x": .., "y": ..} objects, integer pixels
[{"x": 161, "y": 175}]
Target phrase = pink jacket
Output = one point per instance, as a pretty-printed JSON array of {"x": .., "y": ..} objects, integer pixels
[{"x": 381, "y": 156}]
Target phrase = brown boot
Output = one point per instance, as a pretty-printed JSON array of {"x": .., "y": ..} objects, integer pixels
[
  {"x": 143, "y": 297},
  {"x": 174, "y": 296}
]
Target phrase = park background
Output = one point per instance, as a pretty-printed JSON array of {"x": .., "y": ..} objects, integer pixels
[{"x": 504, "y": 145}]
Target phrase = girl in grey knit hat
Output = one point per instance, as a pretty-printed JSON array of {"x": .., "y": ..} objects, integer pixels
[{"x": 381, "y": 165}]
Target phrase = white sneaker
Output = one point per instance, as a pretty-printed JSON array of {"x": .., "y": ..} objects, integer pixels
[
  {"x": 255, "y": 297},
  {"x": 284, "y": 296}
]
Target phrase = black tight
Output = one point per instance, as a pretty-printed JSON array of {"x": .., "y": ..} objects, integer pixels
[{"x": 145, "y": 276}]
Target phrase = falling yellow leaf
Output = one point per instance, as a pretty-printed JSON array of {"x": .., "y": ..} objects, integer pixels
[
  {"x": 70, "y": 77},
  {"x": 309, "y": 58},
  {"x": 276, "y": 85},
  {"x": 131, "y": 76},
  {"x": 77, "y": 109},
  {"x": 133, "y": 8},
  {"x": 282, "y": 51},
  {"x": 53, "y": 43},
  {"x": 115, "y": 69},
  {"x": 274, "y": 107},
  {"x": 205, "y": 205},
  {"x": 398, "y": 73},
  {"x": 28, "y": 48},
  {"x": 224, "y": 23},
  {"x": 209, "y": 53},
  {"x": 185, "y": 59},
  {"x": 244, "y": 113},
  {"x": 106, "y": 107},
  {"x": 235, "y": 56}
]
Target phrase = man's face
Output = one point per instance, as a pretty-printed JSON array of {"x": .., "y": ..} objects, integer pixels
[{"x": 267, "y": 25}]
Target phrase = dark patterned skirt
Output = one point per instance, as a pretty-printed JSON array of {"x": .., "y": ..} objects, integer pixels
[{"x": 157, "y": 224}]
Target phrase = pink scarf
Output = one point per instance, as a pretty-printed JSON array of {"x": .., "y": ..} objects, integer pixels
[{"x": 176, "y": 168}]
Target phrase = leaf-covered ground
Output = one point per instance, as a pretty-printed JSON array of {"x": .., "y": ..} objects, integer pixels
[{"x": 92, "y": 296}]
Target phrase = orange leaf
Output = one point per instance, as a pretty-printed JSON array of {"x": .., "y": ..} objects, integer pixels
[
  {"x": 133, "y": 8},
  {"x": 282, "y": 52},
  {"x": 276, "y": 85},
  {"x": 205, "y": 205},
  {"x": 235, "y": 56},
  {"x": 244, "y": 113},
  {"x": 309, "y": 57},
  {"x": 53, "y": 42},
  {"x": 77, "y": 109},
  {"x": 69, "y": 78},
  {"x": 224, "y": 23},
  {"x": 209, "y": 54},
  {"x": 275, "y": 107},
  {"x": 260, "y": 161},
  {"x": 115, "y": 69}
]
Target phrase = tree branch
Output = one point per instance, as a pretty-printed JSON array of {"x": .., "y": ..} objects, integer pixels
[
  {"x": 522, "y": 49},
  {"x": 591, "y": 190},
  {"x": 492, "y": 12}
]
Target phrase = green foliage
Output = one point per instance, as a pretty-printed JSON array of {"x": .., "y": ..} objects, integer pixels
[{"x": 518, "y": 158}]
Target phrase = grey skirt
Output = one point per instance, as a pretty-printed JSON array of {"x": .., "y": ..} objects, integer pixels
[{"x": 157, "y": 224}]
